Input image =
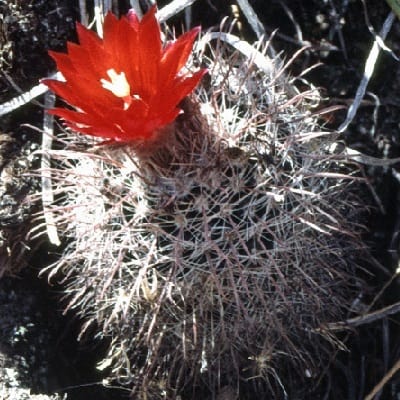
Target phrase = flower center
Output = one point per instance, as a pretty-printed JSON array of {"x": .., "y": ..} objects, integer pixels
[{"x": 118, "y": 86}]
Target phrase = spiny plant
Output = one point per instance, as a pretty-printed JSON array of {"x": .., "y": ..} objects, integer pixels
[{"x": 212, "y": 235}]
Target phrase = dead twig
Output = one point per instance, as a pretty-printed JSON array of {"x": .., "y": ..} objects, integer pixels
[
  {"x": 47, "y": 192},
  {"x": 252, "y": 18},
  {"x": 26, "y": 97},
  {"x": 363, "y": 319},
  {"x": 173, "y": 8},
  {"x": 383, "y": 381},
  {"x": 368, "y": 70}
]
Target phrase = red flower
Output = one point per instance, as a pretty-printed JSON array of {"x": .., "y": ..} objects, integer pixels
[{"x": 127, "y": 85}]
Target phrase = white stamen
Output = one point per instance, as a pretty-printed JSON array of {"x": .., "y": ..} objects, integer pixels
[{"x": 118, "y": 84}]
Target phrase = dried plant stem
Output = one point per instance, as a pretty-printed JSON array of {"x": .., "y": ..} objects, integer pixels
[
  {"x": 368, "y": 71},
  {"x": 83, "y": 12},
  {"x": 370, "y": 160},
  {"x": 383, "y": 381},
  {"x": 364, "y": 319},
  {"x": 47, "y": 191},
  {"x": 173, "y": 8},
  {"x": 261, "y": 60},
  {"x": 135, "y": 4},
  {"x": 252, "y": 18},
  {"x": 25, "y": 98}
]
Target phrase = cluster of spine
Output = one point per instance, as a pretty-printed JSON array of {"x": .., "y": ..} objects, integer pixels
[{"x": 216, "y": 260}]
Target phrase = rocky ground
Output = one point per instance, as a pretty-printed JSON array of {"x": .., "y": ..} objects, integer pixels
[{"x": 39, "y": 355}]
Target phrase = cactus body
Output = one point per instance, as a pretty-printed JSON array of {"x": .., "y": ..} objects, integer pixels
[{"x": 213, "y": 262}]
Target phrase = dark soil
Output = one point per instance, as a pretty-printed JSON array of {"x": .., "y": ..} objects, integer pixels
[{"x": 38, "y": 348}]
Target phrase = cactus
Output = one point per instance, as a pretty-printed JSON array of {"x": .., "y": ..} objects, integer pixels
[{"x": 213, "y": 258}]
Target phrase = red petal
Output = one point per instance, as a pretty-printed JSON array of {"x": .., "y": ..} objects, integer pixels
[
  {"x": 180, "y": 88},
  {"x": 143, "y": 128},
  {"x": 167, "y": 118},
  {"x": 77, "y": 60},
  {"x": 150, "y": 51},
  {"x": 129, "y": 55},
  {"x": 84, "y": 95},
  {"x": 62, "y": 60},
  {"x": 109, "y": 22},
  {"x": 176, "y": 54},
  {"x": 75, "y": 116},
  {"x": 87, "y": 37},
  {"x": 133, "y": 47},
  {"x": 97, "y": 131},
  {"x": 133, "y": 19},
  {"x": 137, "y": 109},
  {"x": 93, "y": 125},
  {"x": 111, "y": 34},
  {"x": 121, "y": 42},
  {"x": 63, "y": 90},
  {"x": 91, "y": 51}
]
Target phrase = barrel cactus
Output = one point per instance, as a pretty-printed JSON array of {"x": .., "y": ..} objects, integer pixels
[{"x": 213, "y": 239}]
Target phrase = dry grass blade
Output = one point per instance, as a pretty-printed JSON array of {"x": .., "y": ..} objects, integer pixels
[
  {"x": 370, "y": 160},
  {"x": 368, "y": 71},
  {"x": 364, "y": 319},
  {"x": 385, "y": 379},
  {"x": 47, "y": 190},
  {"x": 173, "y": 8},
  {"x": 261, "y": 60},
  {"x": 25, "y": 98},
  {"x": 252, "y": 18}
]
